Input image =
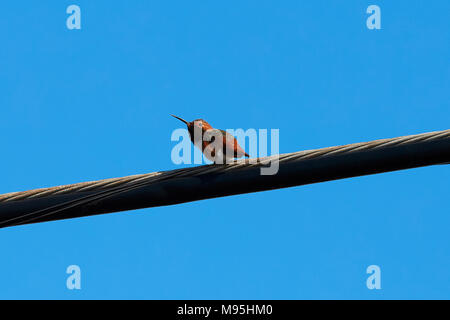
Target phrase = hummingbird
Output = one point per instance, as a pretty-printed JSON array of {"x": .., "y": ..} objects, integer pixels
[{"x": 203, "y": 136}]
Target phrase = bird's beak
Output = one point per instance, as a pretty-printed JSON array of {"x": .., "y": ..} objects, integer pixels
[{"x": 180, "y": 119}]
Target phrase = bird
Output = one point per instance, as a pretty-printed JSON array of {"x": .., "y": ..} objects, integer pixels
[{"x": 228, "y": 150}]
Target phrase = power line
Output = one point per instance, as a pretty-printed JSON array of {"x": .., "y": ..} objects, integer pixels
[{"x": 210, "y": 181}]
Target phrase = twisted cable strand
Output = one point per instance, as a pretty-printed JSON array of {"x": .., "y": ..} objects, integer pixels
[{"x": 139, "y": 179}]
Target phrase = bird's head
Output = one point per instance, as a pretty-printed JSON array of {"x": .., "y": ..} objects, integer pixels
[
  {"x": 196, "y": 124},
  {"x": 202, "y": 124}
]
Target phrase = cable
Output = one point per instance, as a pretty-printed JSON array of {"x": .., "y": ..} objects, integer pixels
[{"x": 209, "y": 181}]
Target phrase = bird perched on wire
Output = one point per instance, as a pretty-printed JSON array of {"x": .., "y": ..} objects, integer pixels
[{"x": 217, "y": 145}]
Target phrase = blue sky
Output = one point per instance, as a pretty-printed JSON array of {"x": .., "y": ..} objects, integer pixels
[{"x": 80, "y": 105}]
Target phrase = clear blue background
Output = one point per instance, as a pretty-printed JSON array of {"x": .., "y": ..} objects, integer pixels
[{"x": 79, "y": 105}]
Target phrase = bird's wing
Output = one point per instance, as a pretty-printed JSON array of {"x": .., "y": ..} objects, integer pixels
[{"x": 232, "y": 147}]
